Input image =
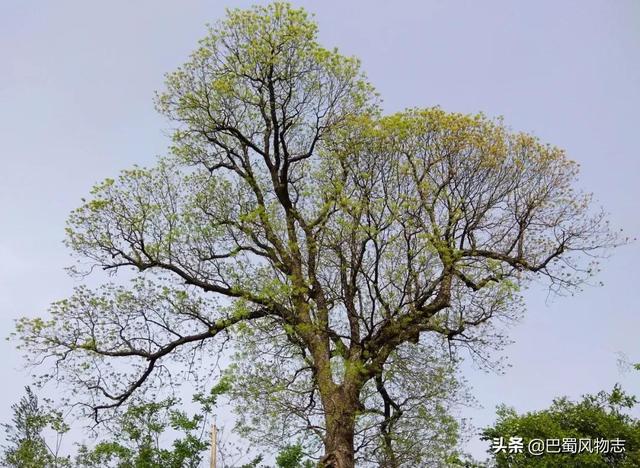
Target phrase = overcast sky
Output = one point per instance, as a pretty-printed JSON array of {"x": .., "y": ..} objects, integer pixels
[{"x": 76, "y": 87}]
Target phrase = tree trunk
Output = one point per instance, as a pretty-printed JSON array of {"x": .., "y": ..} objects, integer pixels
[
  {"x": 340, "y": 417},
  {"x": 339, "y": 444}
]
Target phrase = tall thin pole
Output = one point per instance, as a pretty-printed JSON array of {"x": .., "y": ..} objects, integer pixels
[{"x": 214, "y": 445}]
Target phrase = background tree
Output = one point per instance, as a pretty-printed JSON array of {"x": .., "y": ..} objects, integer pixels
[
  {"x": 602, "y": 416},
  {"x": 292, "y": 456},
  {"x": 139, "y": 438},
  {"x": 289, "y": 202},
  {"x": 26, "y": 446},
  {"x": 146, "y": 435}
]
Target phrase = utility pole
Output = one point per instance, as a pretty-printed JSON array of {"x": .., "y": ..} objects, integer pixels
[{"x": 214, "y": 445}]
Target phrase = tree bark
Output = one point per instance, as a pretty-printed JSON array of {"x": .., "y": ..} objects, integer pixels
[
  {"x": 339, "y": 444},
  {"x": 340, "y": 418}
]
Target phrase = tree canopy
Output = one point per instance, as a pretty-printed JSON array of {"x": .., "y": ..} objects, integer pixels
[{"x": 361, "y": 247}]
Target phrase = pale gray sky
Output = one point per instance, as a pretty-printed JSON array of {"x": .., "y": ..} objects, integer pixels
[{"x": 76, "y": 86}]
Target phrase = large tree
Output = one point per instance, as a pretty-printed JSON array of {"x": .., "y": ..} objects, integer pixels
[{"x": 289, "y": 203}]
